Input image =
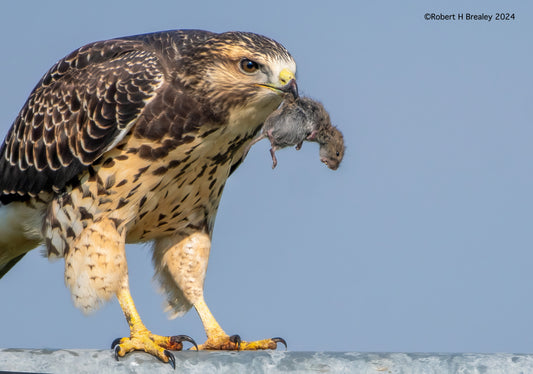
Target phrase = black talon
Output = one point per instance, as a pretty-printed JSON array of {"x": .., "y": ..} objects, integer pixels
[
  {"x": 115, "y": 343},
  {"x": 117, "y": 350},
  {"x": 280, "y": 340},
  {"x": 184, "y": 338},
  {"x": 171, "y": 359},
  {"x": 236, "y": 339}
]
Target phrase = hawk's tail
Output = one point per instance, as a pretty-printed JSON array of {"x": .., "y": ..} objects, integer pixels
[
  {"x": 6, "y": 267},
  {"x": 18, "y": 233}
]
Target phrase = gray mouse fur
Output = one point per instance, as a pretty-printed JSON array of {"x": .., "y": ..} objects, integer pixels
[{"x": 299, "y": 120}]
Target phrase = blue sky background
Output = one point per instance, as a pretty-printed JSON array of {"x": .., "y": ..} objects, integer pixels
[{"x": 421, "y": 241}]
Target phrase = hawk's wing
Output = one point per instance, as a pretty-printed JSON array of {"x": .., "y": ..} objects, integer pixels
[{"x": 81, "y": 108}]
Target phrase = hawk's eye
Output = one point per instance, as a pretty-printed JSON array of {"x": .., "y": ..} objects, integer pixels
[
  {"x": 338, "y": 154},
  {"x": 249, "y": 66}
]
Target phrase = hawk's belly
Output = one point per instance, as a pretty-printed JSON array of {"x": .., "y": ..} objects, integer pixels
[
  {"x": 171, "y": 194},
  {"x": 149, "y": 197}
]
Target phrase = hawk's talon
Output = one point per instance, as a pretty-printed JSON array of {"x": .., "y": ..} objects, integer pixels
[
  {"x": 280, "y": 340},
  {"x": 117, "y": 350},
  {"x": 236, "y": 339},
  {"x": 171, "y": 359},
  {"x": 115, "y": 343},
  {"x": 179, "y": 339}
]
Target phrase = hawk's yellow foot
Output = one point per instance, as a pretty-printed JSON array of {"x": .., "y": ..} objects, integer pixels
[
  {"x": 141, "y": 339},
  {"x": 156, "y": 345},
  {"x": 234, "y": 343},
  {"x": 217, "y": 339}
]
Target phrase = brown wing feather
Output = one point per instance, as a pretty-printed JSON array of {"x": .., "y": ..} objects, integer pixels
[{"x": 83, "y": 106}]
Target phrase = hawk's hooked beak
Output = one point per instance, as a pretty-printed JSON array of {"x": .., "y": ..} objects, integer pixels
[
  {"x": 288, "y": 80},
  {"x": 287, "y": 84}
]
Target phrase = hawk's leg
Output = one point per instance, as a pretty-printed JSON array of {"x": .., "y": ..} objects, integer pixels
[
  {"x": 95, "y": 270},
  {"x": 217, "y": 339},
  {"x": 141, "y": 339},
  {"x": 186, "y": 263}
]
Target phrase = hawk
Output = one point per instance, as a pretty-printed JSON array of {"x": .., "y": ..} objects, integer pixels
[{"x": 131, "y": 140}]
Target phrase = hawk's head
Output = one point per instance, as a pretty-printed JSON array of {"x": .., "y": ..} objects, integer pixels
[{"x": 241, "y": 74}]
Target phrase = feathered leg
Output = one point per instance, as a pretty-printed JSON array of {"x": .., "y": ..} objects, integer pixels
[
  {"x": 95, "y": 264},
  {"x": 186, "y": 263},
  {"x": 95, "y": 270}
]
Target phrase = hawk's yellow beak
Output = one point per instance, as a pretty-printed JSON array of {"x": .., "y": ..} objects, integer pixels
[
  {"x": 285, "y": 76},
  {"x": 287, "y": 83},
  {"x": 288, "y": 80}
]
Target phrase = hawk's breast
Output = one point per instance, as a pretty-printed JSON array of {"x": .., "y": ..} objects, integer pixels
[{"x": 178, "y": 192}]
